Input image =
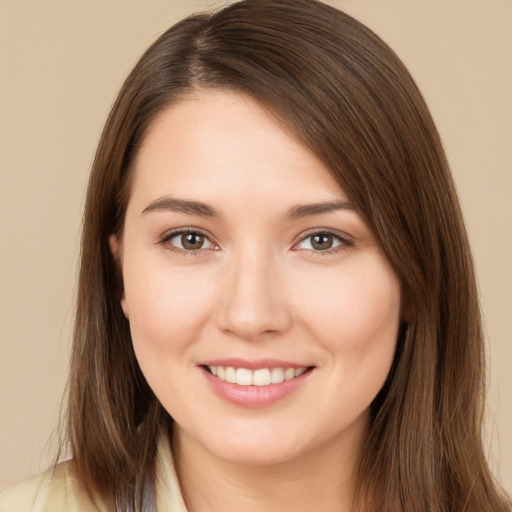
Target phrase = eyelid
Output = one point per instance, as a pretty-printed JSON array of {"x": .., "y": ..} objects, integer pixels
[
  {"x": 345, "y": 239},
  {"x": 168, "y": 235}
]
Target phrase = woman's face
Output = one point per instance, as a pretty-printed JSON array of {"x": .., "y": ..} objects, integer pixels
[{"x": 263, "y": 313}]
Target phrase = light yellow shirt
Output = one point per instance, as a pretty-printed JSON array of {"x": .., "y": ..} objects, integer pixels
[{"x": 58, "y": 491}]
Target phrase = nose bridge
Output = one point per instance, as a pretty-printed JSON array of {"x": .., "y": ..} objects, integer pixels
[{"x": 253, "y": 303}]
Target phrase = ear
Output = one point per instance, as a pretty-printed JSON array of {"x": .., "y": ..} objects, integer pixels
[{"x": 116, "y": 250}]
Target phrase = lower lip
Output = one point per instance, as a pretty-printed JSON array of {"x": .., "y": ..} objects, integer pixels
[{"x": 254, "y": 396}]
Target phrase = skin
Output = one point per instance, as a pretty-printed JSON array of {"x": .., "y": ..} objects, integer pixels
[{"x": 256, "y": 289}]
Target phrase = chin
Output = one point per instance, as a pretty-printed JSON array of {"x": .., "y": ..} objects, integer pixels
[
  {"x": 253, "y": 446},
  {"x": 246, "y": 454}
]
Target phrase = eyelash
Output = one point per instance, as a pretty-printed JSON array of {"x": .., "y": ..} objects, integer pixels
[
  {"x": 167, "y": 237},
  {"x": 344, "y": 241}
]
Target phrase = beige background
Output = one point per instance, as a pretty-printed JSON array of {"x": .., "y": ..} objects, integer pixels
[{"x": 61, "y": 64}]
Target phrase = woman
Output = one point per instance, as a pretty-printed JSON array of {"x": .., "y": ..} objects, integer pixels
[{"x": 277, "y": 306}]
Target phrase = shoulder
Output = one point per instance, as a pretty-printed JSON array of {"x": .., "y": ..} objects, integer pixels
[{"x": 56, "y": 490}]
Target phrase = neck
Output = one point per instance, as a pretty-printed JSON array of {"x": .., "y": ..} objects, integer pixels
[{"x": 322, "y": 479}]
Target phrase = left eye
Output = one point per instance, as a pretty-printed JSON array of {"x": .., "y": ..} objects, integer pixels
[
  {"x": 190, "y": 241},
  {"x": 320, "y": 242}
]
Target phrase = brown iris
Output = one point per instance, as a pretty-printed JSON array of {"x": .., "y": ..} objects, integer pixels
[
  {"x": 192, "y": 241},
  {"x": 322, "y": 241}
]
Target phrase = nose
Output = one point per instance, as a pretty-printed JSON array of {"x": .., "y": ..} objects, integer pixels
[{"x": 253, "y": 302}]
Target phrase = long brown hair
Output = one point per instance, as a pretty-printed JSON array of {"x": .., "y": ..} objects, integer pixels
[{"x": 345, "y": 95}]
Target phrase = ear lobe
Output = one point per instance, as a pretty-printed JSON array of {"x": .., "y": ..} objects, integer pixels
[
  {"x": 115, "y": 249},
  {"x": 124, "y": 306}
]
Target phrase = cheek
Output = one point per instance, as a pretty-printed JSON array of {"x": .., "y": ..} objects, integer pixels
[
  {"x": 355, "y": 314},
  {"x": 356, "y": 320},
  {"x": 167, "y": 307}
]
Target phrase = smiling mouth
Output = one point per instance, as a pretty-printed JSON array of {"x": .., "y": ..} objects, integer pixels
[{"x": 259, "y": 377}]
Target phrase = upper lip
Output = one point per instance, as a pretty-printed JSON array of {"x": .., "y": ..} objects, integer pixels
[{"x": 254, "y": 364}]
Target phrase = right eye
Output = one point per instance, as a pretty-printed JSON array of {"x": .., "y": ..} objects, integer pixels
[{"x": 187, "y": 241}]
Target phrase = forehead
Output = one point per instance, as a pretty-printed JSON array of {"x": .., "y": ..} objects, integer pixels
[{"x": 219, "y": 143}]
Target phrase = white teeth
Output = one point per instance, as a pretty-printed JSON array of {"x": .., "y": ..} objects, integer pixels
[
  {"x": 230, "y": 375},
  {"x": 260, "y": 377},
  {"x": 276, "y": 375},
  {"x": 289, "y": 373},
  {"x": 243, "y": 377},
  {"x": 299, "y": 371}
]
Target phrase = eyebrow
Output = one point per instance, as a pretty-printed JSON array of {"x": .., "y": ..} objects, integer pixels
[
  {"x": 200, "y": 209},
  {"x": 308, "y": 210},
  {"x": 181, "y": 205}
]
